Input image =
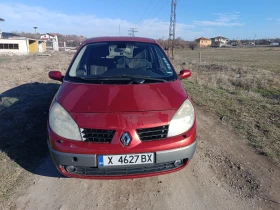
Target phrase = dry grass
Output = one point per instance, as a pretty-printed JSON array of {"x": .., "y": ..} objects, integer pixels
[
  {"x": 246, "y": 98},
  {"x": 25, "y": 95},
  {"x": 264, "y": 58}
]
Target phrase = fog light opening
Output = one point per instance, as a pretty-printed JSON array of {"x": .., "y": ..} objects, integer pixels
[
  {"x": 70, "y": 169},
  {"x": 177, "y": 162}
]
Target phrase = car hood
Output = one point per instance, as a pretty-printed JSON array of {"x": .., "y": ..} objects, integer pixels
[{"x": 94, "y": 98}]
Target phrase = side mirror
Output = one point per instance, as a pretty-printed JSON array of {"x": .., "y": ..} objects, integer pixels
[
  {"x": 56, "y": 75},
  {"x": 185, "y": 74}
]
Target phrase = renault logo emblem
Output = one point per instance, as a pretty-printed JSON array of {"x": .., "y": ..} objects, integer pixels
[{"x": 125, "y": 139}]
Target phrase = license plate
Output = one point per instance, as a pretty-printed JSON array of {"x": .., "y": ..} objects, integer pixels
[{"x": 130, "y": 159}]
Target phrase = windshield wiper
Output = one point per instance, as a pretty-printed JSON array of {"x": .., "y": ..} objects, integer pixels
[
  {"x": 123, "y": 77},
  {"x": 103, "y": 78},
  {"x": 143, "y": 77}
]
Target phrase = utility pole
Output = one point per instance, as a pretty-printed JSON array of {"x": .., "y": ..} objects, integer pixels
[
  {"x": 131, "y": 32},
  {"x": 35, "y": 28},
  {"x": 119, "y": 29},
  {"x": 172, "y": 28},
  {"x": 1, "y": 20}
]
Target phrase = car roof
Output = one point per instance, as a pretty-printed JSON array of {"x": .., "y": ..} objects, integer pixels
[{"x": 119, "y": 38}]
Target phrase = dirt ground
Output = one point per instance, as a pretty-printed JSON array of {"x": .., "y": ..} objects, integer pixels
[{"x": 225, "y": 173}]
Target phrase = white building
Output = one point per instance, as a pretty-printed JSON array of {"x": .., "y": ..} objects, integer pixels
[
  {"x": 21, "y": 46},
  {"x": 51, "y": 38},
  {"x": 219, "y": 41}
]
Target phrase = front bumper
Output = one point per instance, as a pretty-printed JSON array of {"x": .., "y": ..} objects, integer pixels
[{"x": 87, "y": 167}]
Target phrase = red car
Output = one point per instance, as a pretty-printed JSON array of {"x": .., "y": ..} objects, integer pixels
[{"x": 121, "y": 112}]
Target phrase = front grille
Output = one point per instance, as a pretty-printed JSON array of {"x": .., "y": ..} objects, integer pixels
[
  {"x": 155, "y": 133},
  {"x": 131, "y": 170},
  {"x": 97, "y": 135}
]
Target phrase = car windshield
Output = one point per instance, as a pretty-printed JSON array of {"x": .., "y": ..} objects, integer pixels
[{"x": 122, "y": 63}]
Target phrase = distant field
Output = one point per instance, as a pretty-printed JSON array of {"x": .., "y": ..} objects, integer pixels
[
  {"x": 266, "y": 58},
  {"x": 241, "y": 86}
]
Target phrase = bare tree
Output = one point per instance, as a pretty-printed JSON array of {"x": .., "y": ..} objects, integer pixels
[
  {"x": 193, "y": 45},
  {"x": 180, "y": 43}
]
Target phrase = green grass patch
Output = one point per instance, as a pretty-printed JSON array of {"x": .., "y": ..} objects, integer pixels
[
  {"x": 255, "y": 118},
  {"x": 272, "y": 93}
]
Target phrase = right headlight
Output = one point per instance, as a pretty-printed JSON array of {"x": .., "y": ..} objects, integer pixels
[
  {"x": 63, "y": 124},
  {"x": 183, "y": 119}
]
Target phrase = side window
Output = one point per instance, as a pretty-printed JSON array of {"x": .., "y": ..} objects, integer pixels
[
  {"x": 77, "y": 62},
  {"x": 163, "y": 62}
]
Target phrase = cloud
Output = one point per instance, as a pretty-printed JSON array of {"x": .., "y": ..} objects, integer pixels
[
  {"x": 159, "y": 28},
  {"x": 269, "y": 19},
  {"x": 21, "y": 17},
  {"x": 224, "y": 19}
]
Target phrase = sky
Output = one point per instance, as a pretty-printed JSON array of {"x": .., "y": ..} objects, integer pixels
[{"x": 234, "y": 19}]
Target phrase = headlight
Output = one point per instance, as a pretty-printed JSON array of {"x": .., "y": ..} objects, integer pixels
[
  {"x": 63, "y": 124},
  {"x": 183, "y": 119}
]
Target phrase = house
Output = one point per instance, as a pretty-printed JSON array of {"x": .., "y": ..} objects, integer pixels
[
  {"x": 219, "y": 41},
  {"x": 6, "y": 35},
  {"x": 49, "y": 37},
  {"x": 52, "y": 39},
  {"x": 21, "y": 45},
  {"x": 203, "y": 42}
]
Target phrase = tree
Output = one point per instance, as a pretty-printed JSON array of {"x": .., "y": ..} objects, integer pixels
[
  {"x": 179, "y": 43},
  {"x": 193, "y": 45}
]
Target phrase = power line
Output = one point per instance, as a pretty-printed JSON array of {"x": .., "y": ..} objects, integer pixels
[
  {"x": 156, "y": 5},
  {"x": 145, "y": 11},
  {"x": 156, "y": 13},
  {"x": 160, "y": 10}
]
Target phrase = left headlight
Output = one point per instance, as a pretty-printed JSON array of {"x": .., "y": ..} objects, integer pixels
[
  {"x": 183, "y": 119},
  {"x": 63, "y": 124}
]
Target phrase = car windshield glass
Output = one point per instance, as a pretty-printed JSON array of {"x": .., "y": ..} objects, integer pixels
[{"x": 121, "y": 62}]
